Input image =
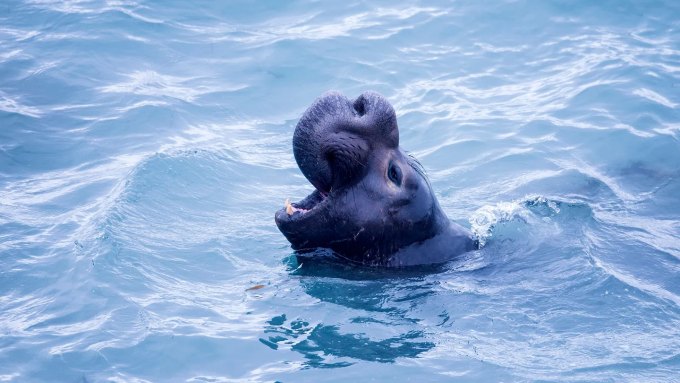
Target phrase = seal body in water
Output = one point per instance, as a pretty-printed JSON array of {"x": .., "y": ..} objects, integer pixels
[{"x": 372, "y": 202}]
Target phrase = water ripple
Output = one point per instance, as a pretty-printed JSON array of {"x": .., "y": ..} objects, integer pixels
[
  {"x": 10, "y": 104},
  {"x": 145, "y": 146},
  {"x": 150, "y": 83}
]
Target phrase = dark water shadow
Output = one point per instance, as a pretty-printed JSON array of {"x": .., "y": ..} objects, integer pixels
[
  {"x": 374, "y": 298},
  {"x": 327, "y": 340},
  {"x": 324, "y": 263},
  {"x": 325, "y": 346}
]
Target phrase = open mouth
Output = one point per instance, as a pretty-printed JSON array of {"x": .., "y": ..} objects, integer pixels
[{"x": 303, "y": 208}]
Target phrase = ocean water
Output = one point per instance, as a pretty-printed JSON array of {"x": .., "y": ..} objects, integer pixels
[{"x": 145, "y": 146}]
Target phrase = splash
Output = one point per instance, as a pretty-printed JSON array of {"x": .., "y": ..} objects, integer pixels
[{"x": 485, "y": 219}]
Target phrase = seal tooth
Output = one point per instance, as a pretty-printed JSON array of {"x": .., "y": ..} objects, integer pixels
[{"x": 289, "y": 207}]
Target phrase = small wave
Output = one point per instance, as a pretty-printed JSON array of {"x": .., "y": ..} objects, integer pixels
[
  {"x": 633, "y": 281},
  {"x": 12, "y": 105},
  {"x": 151, "y": 83},
  {"x": 487, "y": 217},
  {"x": 19, "y": 35},
  {"x": 655, "y": 97},
  {"x": 12, "y": 55},
  {"x": 303, "y": 27},
  {"x": 129, "y": 8},
  {"x": 530, "y": 210}
]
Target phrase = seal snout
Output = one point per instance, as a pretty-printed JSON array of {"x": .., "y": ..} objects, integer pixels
[{"x": 333, "y": 138}]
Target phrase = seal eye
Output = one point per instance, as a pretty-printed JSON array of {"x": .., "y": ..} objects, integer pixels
[{"x": 394, "y": 174}]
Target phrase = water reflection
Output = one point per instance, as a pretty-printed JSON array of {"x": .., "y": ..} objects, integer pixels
[
  {"x": 327, "y": 340},
  {"x": 390, "y": 313},
  {"x": 381, "y": 297}
]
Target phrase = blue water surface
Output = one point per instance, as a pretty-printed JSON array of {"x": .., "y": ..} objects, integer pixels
[{"x": 145, "y": 146}]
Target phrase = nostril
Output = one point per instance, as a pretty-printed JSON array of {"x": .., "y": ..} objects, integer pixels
[{"x": 360, "y": 105}]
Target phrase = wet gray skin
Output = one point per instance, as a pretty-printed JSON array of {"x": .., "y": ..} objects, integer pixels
[{"x": 373, "y": 203}]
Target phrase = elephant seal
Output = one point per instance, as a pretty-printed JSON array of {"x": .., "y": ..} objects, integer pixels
[{"x": 372, "y": 202}]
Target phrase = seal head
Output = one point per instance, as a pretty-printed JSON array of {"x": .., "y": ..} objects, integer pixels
[{"x": 372, "y": 202}]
